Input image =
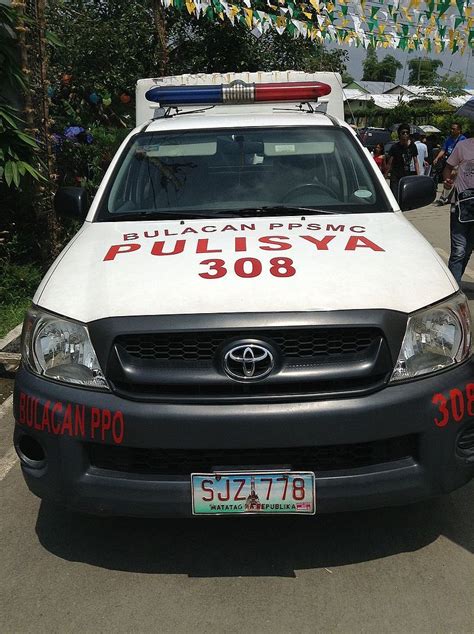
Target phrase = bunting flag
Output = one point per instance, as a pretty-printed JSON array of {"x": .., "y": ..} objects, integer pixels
[{"x": 437, "y": 25}]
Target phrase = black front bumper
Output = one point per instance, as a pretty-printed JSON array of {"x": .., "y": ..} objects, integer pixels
[{"x": 66, "y": 421}]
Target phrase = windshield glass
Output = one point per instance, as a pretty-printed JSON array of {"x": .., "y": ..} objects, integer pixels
[{"x": 237, "y": 171}]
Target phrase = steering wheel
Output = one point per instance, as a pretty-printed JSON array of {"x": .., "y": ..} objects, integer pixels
[{"x": 300, "y": 189}]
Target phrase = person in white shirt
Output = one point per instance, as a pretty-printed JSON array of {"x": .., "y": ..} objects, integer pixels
[{"x": 422, "y": 153}]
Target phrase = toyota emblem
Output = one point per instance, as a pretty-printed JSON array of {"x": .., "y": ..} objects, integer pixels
[{"x": 248, "y": 361}]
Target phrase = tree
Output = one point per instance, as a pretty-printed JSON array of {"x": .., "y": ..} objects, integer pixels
[
  {"x": 385, "y": 70},
  {"x": 402, "y": 113},
  {"x": 451, "y": 85},
  {"x": 17, "y": 148},
  {"x": 104, "y": 57},
  {"x": 347, "y": 78},
  {"x": 388, "y": 68},
  {"x": 103, "y": 53},
  {"x": 424, "y": 71},
  {"x": 199, "y": 45}
]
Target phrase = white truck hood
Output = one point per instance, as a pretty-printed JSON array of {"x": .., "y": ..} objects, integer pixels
[{"x": 338, "y": 262}]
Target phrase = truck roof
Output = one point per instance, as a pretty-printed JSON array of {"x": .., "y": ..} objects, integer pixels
[{"x": 232, "y": 117}]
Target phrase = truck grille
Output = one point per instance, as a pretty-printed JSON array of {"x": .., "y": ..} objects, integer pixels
[
  {"x": 309, "y": 362},
  {"x": 186, "y": 461},
  {"x": 202, "y": 346}
]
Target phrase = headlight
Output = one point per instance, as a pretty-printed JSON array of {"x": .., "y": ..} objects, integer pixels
[
  {"x": 60, "y": 349},
  {"x": 435, "y": 339}
]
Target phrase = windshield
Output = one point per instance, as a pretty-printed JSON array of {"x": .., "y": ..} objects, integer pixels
[{"x": 242, "y": 171}]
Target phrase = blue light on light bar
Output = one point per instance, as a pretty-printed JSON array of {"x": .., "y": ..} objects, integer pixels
[{"x": 181, "y": 95}]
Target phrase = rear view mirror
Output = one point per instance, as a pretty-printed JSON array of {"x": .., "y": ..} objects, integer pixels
[
  {"x": 239, "y": 146},
  {"x": 71, "y": 202},
  {"x": 415, "y": 191}
]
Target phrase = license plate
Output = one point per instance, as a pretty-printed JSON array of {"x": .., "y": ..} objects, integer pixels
[{"x": 257, "y": 492}]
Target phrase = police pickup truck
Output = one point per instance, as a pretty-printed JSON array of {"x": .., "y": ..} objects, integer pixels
[{"x": 246, "y": 322}]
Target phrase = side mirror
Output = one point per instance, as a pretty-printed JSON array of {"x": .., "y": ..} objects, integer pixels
[
  {"x": 71, "y": 202},
  {"x": 415, "y": 191}
]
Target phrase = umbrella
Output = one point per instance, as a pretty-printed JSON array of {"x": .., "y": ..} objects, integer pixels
[
  {"x": 467, "y": 110},
  {"x": 429, "y": 129},
  {"x": 413, "y": 128}
]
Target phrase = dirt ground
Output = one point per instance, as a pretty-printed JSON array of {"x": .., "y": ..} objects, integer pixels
[{"x": 6, "y": 388}]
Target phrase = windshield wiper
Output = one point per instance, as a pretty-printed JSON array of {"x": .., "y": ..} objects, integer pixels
[
  {"x": 170, "y": 215},
  {"x": 266, "y": 210},
  {"x": 283, "y": 210}
]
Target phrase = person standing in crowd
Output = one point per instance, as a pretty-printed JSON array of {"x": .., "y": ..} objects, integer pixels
[
  {"x": 462, "y": 233},
  {"x": 401, "y": 158},
  {"x": 422, "y": 152},
  {"x": 379, "y": 156},
  {"x": 443, "y": 155}
]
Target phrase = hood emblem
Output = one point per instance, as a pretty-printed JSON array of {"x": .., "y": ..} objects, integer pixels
[{"x": 248, "y": 361}]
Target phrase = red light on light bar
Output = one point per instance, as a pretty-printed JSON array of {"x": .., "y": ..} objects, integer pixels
[{"x": 291, "y": 91}]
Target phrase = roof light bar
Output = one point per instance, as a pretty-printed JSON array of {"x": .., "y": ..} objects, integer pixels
[{"x": 238, "y": 92}]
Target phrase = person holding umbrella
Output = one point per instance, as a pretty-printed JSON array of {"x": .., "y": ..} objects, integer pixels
[
  {"x": 445, "y": 152},
  {"x": 402, "y": 158}
]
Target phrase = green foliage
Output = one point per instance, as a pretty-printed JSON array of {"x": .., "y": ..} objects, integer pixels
[
  {"x": 439, "y": 114},
  {"x": 424, "y": 71},
  {"x": 388, "y": 68},
  {"x": 402, "y": 113},
  {"x": 85, "y": 164},
  {"x": 109, "y": 46},
  {"x": 19, "y": 279},
  {"x": 12, "y": 315},
  {"x": 442, "y": 115},
  {"x": 210, "y": 47},
  {"x": 18, "y": 282},
  {"x": 19, "y": 276},
  {"x": 17, "y": 286},
  {"x": 385, "y": 70},
  {"x": 370, "y": 64},
  {"x": 450, "y": 85},
  {"x": 105, "y": 56},
  {"x": 17, "y": 149},
  {"x": 444, "y": 121},
  {"x": 10, "y": 72}
]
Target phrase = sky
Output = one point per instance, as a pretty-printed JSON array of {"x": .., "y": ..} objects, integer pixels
[{"x": 452, "y": 63}]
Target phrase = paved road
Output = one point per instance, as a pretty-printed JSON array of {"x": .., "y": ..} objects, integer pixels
[
  {"x": 401, "y": 570},
  {"x": 433, "y": 223}
]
